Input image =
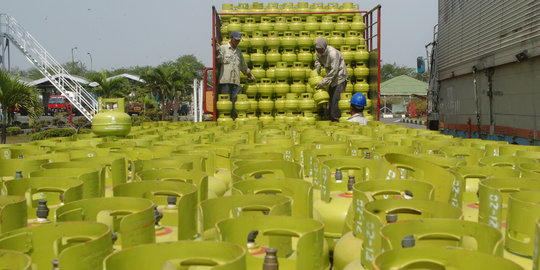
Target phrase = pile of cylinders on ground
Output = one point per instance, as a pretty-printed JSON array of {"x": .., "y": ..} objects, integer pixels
[
  {"x": 240, "y": 195},
  {"x": 278, "y": 45}
]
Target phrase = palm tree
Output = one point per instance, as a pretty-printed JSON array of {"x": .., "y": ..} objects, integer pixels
[
  {"x": 189, "y": 68},
  {"x": 148, "y": 101},
  {"x": 108, "y": 87},
  {"x": 13, "y": 95},
  {"x": 166, "y": 80}
]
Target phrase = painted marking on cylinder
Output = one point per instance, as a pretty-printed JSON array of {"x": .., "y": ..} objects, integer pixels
[
  {"x": 472, "y": 205},
  {"x": 164, "y": 232},
  {"x": 259, "y": 252}
]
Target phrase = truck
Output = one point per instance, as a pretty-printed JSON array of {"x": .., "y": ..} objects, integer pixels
[
  {"x": 484, "y": 71},
  {"x": 134, "y": 108},
  {"x": 58, "y": 103},
  {"x": 371, "y": 34}
]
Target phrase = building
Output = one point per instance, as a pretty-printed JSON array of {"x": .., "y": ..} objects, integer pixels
[
  {"x": 46, "y": 88},
  {"x": 397, "y": 93},
  {"x": 132, "y": 79}
]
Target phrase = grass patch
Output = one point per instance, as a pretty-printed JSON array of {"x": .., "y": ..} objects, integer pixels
[{"x": 23, "y": 138}]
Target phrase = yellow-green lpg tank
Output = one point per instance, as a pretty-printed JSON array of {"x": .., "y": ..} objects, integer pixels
[{"x": 111, "y": 120}]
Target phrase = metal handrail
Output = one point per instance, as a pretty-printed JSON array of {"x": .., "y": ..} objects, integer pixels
[{"x": 48, "y": 66}]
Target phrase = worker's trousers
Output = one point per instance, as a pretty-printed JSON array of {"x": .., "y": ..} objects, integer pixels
[{"x": 335, "y": 93}]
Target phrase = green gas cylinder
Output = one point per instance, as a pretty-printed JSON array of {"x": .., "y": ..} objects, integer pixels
[
  {"x": 112, "y": 120},
  {"x": 343, "y": 103}
]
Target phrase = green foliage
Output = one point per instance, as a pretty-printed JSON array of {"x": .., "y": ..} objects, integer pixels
[
  {"x": 138, "y": 120},
  {"x": 394, "y": 100},
  {"x": 58, "y": 120},
  {"x": 153, "y": 114},
  {"x": 13, "y": 131},
  {"x": 31, "y": 74},
  {"x": 164, "y": 80},
  {"x": 35, "y": 126},
  {"x": 45, "y": 123},
  {"x": 174, "y": 87},
  {"x": 137, "y": 70},
  {"x": 84, "y": 131},
  {"x": 421, "y": 105},
  {"x": 143, "y": 95},
  {"x": 20, "y": 124},
  {"x": 82, "y": 123},
  {"x": 14, "y": 94},
  {"x": 172, "y": 81},
  {"x": 110, "y": 88},
  {"x": 189, "y": 68},
  {"x": 75, "y": 68},
  {"x": 139, "y": 93},
  {"x": 51, "y": 133},
  {"x": 389, "y": 71}
]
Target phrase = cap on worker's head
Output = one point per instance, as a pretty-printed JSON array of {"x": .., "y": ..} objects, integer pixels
[
  {"x": 236, "y": 35},
  {"x": 358, "y": 99}
]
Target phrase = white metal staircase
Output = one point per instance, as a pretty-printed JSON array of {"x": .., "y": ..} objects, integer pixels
[{"x": 48, "y": 66}]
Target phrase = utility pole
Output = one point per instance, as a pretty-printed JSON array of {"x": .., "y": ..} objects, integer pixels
[
  {"x": 73, "y": 58},
  {"x": 90, "y": 60}
]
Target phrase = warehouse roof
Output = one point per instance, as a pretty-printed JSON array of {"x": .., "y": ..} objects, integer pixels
[
  {"x": 129, "y": 76},
  {"x": 123, "y": 75},
  {"x": 403, "y": 86},
  {"x": 83, "y": 80},
  {"x": 67, "y": 76}
]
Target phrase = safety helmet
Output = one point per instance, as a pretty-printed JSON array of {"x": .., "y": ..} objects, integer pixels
[{"x": 358, "y": 99}]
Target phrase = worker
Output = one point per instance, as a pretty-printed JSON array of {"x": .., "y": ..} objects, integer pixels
[
  {"x": 184, "y": 109},
  {"x": 358, "y": 102},
  {"x": 336, "y": 75},
  {"x": 232, "y": 63}
]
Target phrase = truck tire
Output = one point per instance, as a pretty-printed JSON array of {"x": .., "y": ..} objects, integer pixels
[{"x": 433, "y": 124}]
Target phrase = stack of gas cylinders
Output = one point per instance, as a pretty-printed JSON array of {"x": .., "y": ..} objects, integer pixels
[{"x": 278, "y": 46}]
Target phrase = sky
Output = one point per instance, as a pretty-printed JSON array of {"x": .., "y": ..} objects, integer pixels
[{"x": 112, "y": 34}]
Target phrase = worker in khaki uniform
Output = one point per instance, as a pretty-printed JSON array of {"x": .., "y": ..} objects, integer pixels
[
  {"x": 232, "y": 63},
  {"x": 336, "y": 75},
  {"x": 358, "y": 102}
]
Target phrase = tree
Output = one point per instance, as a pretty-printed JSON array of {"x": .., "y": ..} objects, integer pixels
[
  {"x": 166, "y": 80},
  {"x": 147, "y": 101},
  {"x": 75, "y": 68},
  {"x": 33, "y": 74},
  {"x": 160, "y": 84},
  {"x": 137, "y": 70},
  {"x": 17, "y": 95},
  {"x": 389, "y": 71},
  {"x": 145, "y": 97},
  {"x": 421, "y": 106},
  {"x": 189, "y": 68},
  {"x": 108, "y": 87}
]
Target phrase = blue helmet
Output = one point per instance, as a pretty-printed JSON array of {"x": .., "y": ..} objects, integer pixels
[{"x": 358, "y": 99}]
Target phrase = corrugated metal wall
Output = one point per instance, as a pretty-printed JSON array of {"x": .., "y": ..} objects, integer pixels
[
  {"x": 485, "y": 33},
  {"x": 515, "y": 102}
]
